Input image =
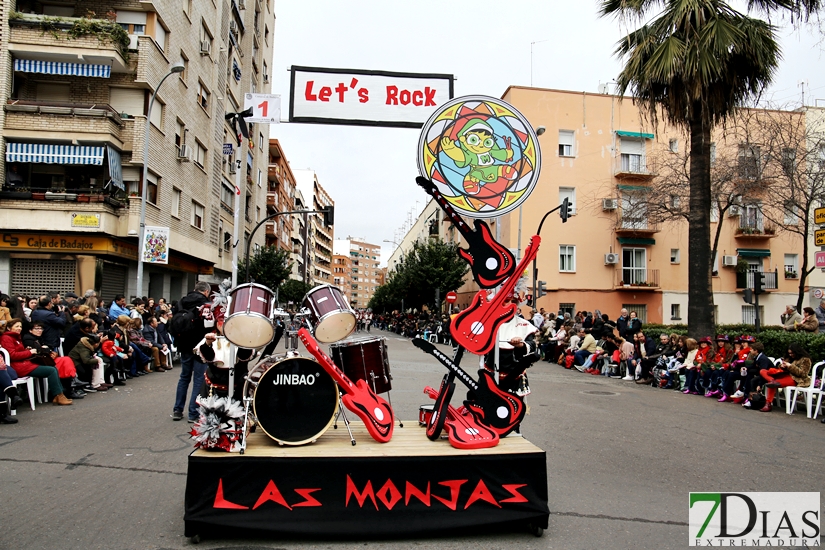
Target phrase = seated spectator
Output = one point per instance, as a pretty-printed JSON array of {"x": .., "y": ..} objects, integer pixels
[
  {"x": 65, "y": 366},
  {"x": 53, "y": 324},
  {"x": 795, "y": 370},
  {"x": 587, "y": 347},
  {"x": 7, "y": 374},
  {"x": 689, "y": 368},
  {"x": 114, "y": 356},
  {"x": 746, "y": 371},
  {"x": 139, "y": 364},
  {"x": 21, "y": 362},
  {"x": 809, "y": 321},
  {"x": 81, "y": 329},
  {"x": 659, "y": 355},
  {"x": 790, "y": 318},
  {"x": 135, "y": 335},
  {"x": 89, "y": 366},
  {"x": 158, "y": 347}
]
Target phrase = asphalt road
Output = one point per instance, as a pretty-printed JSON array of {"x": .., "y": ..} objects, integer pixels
[{"x": 109, "y": 471}]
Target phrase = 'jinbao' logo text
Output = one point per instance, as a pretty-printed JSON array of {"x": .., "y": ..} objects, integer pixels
[
  {"x": 754, "y": 519},
  {"x": 294, "y": 380}
]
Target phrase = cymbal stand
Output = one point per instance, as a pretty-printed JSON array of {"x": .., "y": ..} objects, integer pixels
[
  {"x": 343, "y": 415},
  {"x": 247, "y": 401}
]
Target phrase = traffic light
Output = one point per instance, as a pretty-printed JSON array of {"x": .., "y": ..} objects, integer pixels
[
  {"x": 541, "y": 290},
  {"x": 329, "y": 215},
  {"x": 564, "y": 212},
  {"x": 758, "y": 282},
  {"x": 748, "y": 296},
  {"x": 529, "y": 299}
]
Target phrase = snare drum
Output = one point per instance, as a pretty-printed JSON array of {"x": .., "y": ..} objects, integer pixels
[
  {"x": 248, "y": 322},
  {"x": 333, "y": 318},
  {"x": 364, "y": 360},
  {"x": 425, "y": 412},
  {"x": 294, "y": 400}
]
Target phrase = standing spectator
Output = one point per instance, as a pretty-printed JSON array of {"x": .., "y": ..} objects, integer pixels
[
  {"x": 5, "y": 314},
  {"x": 621, "y": 324},
  {"x": 634, "y": 324},
  {"x": 191, "y": 366},
  {"x": 53, "y": 324},
  {"x": 118, "y": 307},
  {"x": 820, "y": 315}
]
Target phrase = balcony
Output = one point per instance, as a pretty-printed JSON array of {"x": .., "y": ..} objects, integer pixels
[
  {"x": 745, "y": 280},
  {"x": 630, "y": 226},
  {"x": 69, "y": 40},
  {"x": 755, "y": 231},
  {"x": 69, "y": 122},
  {"x": 632, "y": 167},
  {"x": 637, "y": 278}
]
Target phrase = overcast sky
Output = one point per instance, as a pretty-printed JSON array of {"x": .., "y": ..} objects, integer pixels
[{"x": 370, "y": 172}]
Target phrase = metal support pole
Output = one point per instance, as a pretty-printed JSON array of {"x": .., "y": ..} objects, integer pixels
[{"x": 236, "y": 231}]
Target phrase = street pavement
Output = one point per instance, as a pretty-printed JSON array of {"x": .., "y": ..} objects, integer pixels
[{"x": 110, "y": 471}]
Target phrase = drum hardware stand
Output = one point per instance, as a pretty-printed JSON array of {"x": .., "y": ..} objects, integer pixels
[
  {"x": 343, "y": 414},
  {"x": 245, "y": 430}
]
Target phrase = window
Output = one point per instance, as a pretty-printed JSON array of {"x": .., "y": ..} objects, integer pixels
[
  {"x": 152, "y": 189},
  {"x": 640, "y": 309},
  {"x": 55, "y": 91},
  {"x": 157, "y": 114},
  {"x": 675, "y": 312},
  {"x": 176, "y": 202},
  {"x": 715, "y": 269},
  {"x": 634, "y": 211},
  {"x": 206, "y": 39},
  {"x": 714, "y": 211},
  {"x": 161, "y": 34},
  {"x": 261, "y": 142},
  {"x": 567, "y": 307},
  {"x": 675, "y": 202},
  {"x": 712, "y": 154},
  {"x": 187, "y": 7},
  {"x": 567, "y": 258},
  {"x": 257, "y": 214},
  {"x": 197, "y": 215},
  {"x": 673, "y": 146},
  {"x": 570, "y": 194},
  {"x": 788, "y": 160},
  {"x": 266, "y": 72},
  {"x": 133, "y": 22},
  {"x": 632, "y": 155},
  {"x": 791, "y": 213},
  {"x": 674, "y": 255},
  {"x": 749, "y": 314},
  {"x": 180, "y": 133},
  {"x": 751, "y": 217},
  {"x": 227, "y": 241},
  {"x": 200, "y": 154},
  {"x": 185, "y": 61},
  {"x": 227, "y": 197},
  {"x": 260, "y": 177},
  {"x": 748, "y": 162},
  {"x": 203, "y": 95},
  {"x": 791, "y": 266},
  {"x": 566, "y": 142},
  {"x": 634, "y": 266},
  {"x": 127, "y": 100}
]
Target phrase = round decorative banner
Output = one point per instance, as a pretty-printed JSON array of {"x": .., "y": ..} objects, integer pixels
[{"x": 481, "y": 153}]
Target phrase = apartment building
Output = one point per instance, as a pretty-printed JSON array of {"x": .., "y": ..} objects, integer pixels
[
  {"x": 76, "y": 78},
  {"x": 280, "y": 197},
  {"x": 601, "y": 154},
  {"x": 319, "y": 236},
  {"x": 364, "y": 259},
  {"x": 299, "y": 239},
  {"x": 342, "y": 274}
]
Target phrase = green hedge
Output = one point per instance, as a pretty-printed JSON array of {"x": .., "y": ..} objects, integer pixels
[{"x": 775, "y": 339}]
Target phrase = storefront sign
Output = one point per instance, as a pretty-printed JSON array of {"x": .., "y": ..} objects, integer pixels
[
  {"x": 819, "y": 237},
  {"x": 367, "y": 98},
  {"x": 85, "y": 220},
  {"x": 155, "y": 245},
  {"x": 819, "y": 216}
]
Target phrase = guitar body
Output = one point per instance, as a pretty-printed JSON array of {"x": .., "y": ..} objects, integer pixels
[
  {"x": 376, "y": 413},
  {"x": 502, "y": 411},
  {"x": 476, "y": 327},
  {"x": 442, "y": 404},
  {"x": 463, "y": 432},
  {"x": 490, "y": 261}
]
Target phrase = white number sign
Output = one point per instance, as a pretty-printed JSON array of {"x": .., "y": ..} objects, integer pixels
[{"x": 266, "y": 108}]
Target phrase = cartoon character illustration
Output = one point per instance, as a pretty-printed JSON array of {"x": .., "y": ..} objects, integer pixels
[
  {"x": 481, "y": 153},
  {"x": 477, "y": 147}
]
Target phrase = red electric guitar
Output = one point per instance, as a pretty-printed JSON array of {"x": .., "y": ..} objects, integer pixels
[
  {"x": 358, "y": 397},
  {"x": 490, "y": 262},
  {"x": 500, "y": 410},
  {"x": 476, "y": 327},
  {"x": 464, "y": 432}
]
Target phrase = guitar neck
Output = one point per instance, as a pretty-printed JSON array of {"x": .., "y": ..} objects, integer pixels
[
  {"x": 460, "y": 373},
  {"x": 312, "y": 347},
  {"x": 433, "y": 191}
]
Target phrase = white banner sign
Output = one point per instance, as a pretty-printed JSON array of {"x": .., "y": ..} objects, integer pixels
[
  {"x": 155, "y": 246},
  {"x": 266, "y": 108},
  {"x": 368, "y": 98}
]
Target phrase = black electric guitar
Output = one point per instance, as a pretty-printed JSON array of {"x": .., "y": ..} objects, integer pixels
[
  {"x": 490, "y": 261},
  {"x": 497, "y": 409}
]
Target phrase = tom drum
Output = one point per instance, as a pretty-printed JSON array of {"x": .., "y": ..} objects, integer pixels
[
  {"x": 330, "y": 314},
  {"x": 248, "y": 322},
  {"x": 364, "y": 360}
]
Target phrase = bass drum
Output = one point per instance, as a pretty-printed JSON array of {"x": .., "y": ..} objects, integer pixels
[{"x": 294, "y": 400}]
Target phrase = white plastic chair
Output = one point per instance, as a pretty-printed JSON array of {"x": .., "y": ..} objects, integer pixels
[
  {"x": 810, "y": 392},
  {"x": 60, "y": 348},
  {"x": 27, "y": 381}
]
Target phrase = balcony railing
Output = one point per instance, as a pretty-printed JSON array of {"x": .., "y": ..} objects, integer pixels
[
  {"x": 746, "y": 280},
  {"x": 637, "y": 278},
  {"x": 632, "y": 166},
  {"x": 755, "y": 231},
  {"x": 629, "y": 225}
]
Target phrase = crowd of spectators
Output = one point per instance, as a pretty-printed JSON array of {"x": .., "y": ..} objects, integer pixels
[{"x": 79, "y": 345}]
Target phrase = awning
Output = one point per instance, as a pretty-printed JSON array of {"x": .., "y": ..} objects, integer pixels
[
  {"x": 44, "y": 153},
  {"x": 629, "y": 240},
  {"x": 753, "y": 252},
  {"x": 69, "y": 69},
  {"x": 637, "y": 188},
  {"x": 639, "y": 135},
  {"x": 115, "y": 172}
]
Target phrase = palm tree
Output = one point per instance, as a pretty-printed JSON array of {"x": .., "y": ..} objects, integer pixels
[{"x": 693, "y": 64}]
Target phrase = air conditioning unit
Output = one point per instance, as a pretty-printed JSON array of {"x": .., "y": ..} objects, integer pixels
[
  {"x": 184, "y": 153},
  {"x": 611, "y": 258},
  {"x": 233, "y": 27},
  {"x": 729, "y": 261},
  {"x": 232, "y": 168},
  {"x": 206, "y": 47},
  {"x": 241, "y": 5},
  {"x": 133, "y": 42},
  {"x": 733, "y": 211},
  {"x": 610, "y": 204}
]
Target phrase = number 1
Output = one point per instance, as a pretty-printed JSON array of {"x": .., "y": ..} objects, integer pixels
[{"x": 263, "y": 107}]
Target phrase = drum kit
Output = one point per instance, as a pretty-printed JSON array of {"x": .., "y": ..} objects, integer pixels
[{"x": 296, "y": 399}]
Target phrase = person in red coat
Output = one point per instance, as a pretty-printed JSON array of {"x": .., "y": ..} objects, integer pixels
[{"x": 21, "y": 356}]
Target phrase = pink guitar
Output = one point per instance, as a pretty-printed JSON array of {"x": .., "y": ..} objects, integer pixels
[
  {"x": 359, "y": 397},
  {"x": 476, "y": 327},
  {"x": 463, "y": 431}
]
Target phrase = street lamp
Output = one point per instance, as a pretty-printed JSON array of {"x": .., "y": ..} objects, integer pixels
[{"x": 175, "y": 68}]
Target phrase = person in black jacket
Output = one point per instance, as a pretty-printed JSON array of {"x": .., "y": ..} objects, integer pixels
[
  {"x": 191, "y": 366},
  {"x": 53, "y": 324}
]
